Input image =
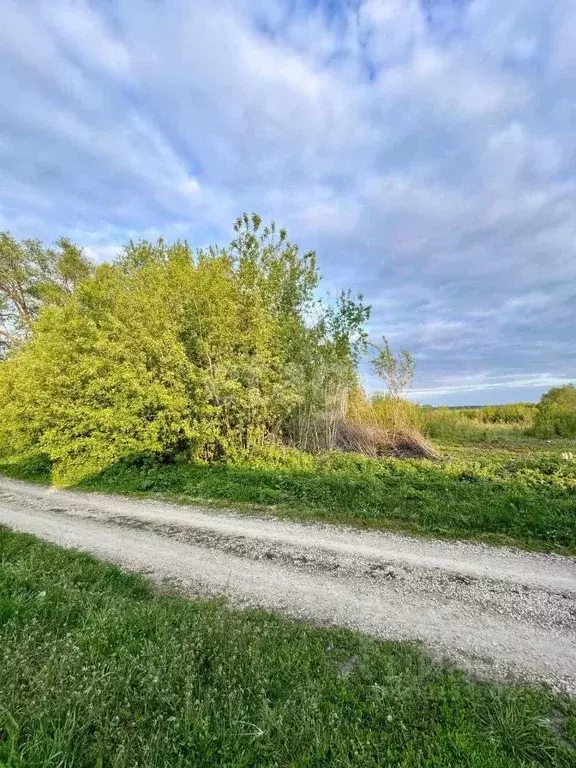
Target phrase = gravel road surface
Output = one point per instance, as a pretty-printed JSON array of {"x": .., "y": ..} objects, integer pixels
[{"x": 498, "y": 612}]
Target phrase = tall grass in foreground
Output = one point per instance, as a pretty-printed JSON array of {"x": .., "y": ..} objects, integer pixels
[{"x": 100, "y": 671}]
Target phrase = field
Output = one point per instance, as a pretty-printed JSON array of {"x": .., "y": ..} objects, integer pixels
[
  {"x": 98, "y": 669},
  {"x": 228, "y": 375},
  {"x": 522, "y": 493},
  {"x": 102, "y": 669}
]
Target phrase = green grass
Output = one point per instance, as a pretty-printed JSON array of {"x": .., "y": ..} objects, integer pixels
[
  {"x": 467, "y": 432},
  {"x": 98, "y": 669},
  {"x": 527, "y": 499}
]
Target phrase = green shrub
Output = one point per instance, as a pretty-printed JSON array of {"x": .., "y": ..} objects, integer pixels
[
  {"x": 512, "y": 413},
  {"x": 564, "y": 396},
  {"x": 173, "y": 353},
  {"x": 556, "y": 413},
  {"x": 555, "y": 421}
]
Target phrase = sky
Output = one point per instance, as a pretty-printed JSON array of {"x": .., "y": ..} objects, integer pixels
[{"x": 424, "y": 148}]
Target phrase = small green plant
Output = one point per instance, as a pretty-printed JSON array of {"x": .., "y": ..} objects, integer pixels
[{"x": 397, "y": 371}]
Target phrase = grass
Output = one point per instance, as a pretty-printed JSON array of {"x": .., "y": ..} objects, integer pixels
[
  {"x": 468, "y": 432},
  {"x": 99, "y": 670},
  {"x": 502, "y": 424},
  {"x": 522, "y": 498},
  {"x": 554, "y": 417}
]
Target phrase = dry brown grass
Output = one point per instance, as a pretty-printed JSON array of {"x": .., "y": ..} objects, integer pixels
[
  {"x": 383, "y": 426},
  {"x": 354, "y": 423},
  {"x": 375, "y": 441}
]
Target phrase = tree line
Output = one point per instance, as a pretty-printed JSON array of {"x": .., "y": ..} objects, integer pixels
[{"x": 180, "y": 352}]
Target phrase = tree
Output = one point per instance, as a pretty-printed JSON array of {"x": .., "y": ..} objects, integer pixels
[
  {"x": 319, "y": 341},
  {"x": 397, "y": 371},
  {"x": 168, "y": 351},
  {"x": 31, "y": 277},
  {"x": 556, "y": 413},
  {"x": 564, "y": 396}
]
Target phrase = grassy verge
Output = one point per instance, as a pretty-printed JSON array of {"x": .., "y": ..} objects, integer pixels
[
  {"x": 527, "y": 500},
  {"x": 98, "y": 669}
]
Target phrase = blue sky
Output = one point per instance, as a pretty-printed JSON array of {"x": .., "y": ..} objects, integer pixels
[{"x": 424, "y": 148}]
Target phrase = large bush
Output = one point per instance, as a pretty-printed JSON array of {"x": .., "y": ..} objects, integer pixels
[
  {"x": 556, "y": 413},
  {"x": 170, "y": 351}
]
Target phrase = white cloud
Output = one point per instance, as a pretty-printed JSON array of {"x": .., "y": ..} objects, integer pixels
[
  {"x": 88, "y": 35},
  {"x": 101, "y": 253},
  {"x": 425, "y": 149},
  {"x": 482, "y": 384}
]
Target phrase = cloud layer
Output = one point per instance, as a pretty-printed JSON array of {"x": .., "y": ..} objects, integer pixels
[{"x": 425, "y": 148}]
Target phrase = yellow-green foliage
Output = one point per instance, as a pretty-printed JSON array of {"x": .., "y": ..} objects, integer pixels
[
  {"x": 554, "y": 416},
  {"x": 511, "y": 413},
  {"x": 103, "y": 376},
  {"x": 476, "y": 425},
  {"x": 556, "y": 413},
  {"x": 381, "y": 410},
  {"x": 32, "y": 276},
  {"x": 169, "y": 352},
  {"x": 391, "y": 413}
]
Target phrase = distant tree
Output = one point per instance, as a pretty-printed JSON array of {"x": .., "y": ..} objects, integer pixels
[
  {"x": 397, "y": 371},
  {"x": 556, "y": 413},
  {"x": 31, "y": 277},
  {"x": 563, "y": 396}
]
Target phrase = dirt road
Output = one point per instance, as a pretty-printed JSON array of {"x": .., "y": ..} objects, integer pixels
[{"x": 497, "y": 611}]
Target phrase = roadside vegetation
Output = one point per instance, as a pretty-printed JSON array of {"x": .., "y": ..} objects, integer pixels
[
  {"x": 519, "y": 498},
  {"x": 101, "y": 669},
  {"x": 554, "y": 417},
  {"x": 486, "y": 425},
  {"x": 202, "y": 355},
  {"x": 222, "y": 375}
]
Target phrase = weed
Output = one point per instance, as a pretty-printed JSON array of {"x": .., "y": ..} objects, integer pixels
[
  {"x": 523, "y": 497},
  {"x": 97, "y": 669}
]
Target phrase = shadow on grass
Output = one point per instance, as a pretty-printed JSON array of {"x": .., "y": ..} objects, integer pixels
[
  {"x": 417, "y": 497},
  {"x": 35, "y": 469}
]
